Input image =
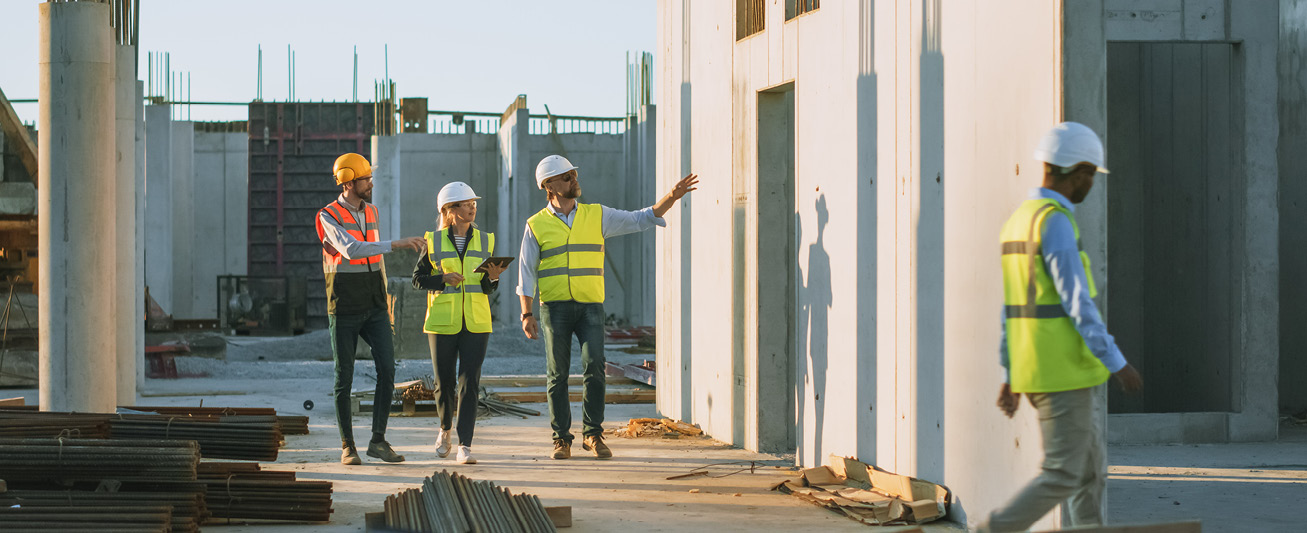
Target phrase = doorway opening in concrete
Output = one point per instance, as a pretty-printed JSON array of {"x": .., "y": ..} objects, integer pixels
[
  {"x": 1175, "y": 197},
  {"x": 777, "y": 252}
]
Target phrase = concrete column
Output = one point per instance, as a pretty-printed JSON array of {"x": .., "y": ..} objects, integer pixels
[
  {"x": 138, "y": 324},
  {"x": 75, "y": 198},
  {"x": 386, "y": 183},
  {"x": 125, "y": 321}
]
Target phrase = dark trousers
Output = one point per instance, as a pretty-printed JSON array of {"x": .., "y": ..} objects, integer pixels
[
  {"x": 375, "y": 329},
  {"x": 560, "y": 321},
  {"x": 467, "y": 351}
]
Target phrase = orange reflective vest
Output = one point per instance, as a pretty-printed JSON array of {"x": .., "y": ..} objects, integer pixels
[{"x": 332, "y": 260}]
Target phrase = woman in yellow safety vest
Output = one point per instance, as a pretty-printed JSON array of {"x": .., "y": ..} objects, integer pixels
[{"x": 458, "y": 311}]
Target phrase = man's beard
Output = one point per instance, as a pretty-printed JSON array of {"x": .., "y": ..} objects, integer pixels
[
  {"x": 573, "y": 193},
  {"x": 365, "y": 195}
]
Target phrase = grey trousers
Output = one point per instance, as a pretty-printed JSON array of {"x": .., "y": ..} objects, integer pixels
[{"x": 1075, "y": 463}]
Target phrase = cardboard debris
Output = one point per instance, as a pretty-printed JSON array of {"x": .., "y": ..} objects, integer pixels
[{"x": 869, "y": 494}]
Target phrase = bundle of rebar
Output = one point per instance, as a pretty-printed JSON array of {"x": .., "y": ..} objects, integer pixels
[
  {"x": 112, "y": 519},
  {"x": 66, "y": 460},
  {"x": 186, "y": 508},
  {"x": 251, "y": 438},
  {"x": 290, "y": 424},
  {"x": 245, "y": 491},
  {"x": 456, "y": 504},
  {"x": 22, "y": 423}
]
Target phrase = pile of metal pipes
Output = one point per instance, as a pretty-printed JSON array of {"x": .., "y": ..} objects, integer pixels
[
  {"x": 457, "y": 504},
  {"x": 251, "y": 438},
  {"x": 290, "y": 424},
  {"x": 67, "y": 460},
  {"x": 31, "y": 424},
  {"x": 186, "y": 508},
  {"x": 114, "y": 519},
  {"x": 245, "y": 491}
]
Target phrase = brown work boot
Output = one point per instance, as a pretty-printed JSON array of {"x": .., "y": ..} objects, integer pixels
[
  {"x": 596, "y": 444},
  {"x": 562, "y": 449},
  {"x": 350, "y": 456},
  {"x": 381, "y": 450}
]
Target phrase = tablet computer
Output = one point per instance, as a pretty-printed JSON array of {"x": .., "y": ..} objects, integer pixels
[{"x": 502, "y": 261}]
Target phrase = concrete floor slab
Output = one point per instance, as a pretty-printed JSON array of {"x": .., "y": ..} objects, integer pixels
[{"x": 629, "y": 492}]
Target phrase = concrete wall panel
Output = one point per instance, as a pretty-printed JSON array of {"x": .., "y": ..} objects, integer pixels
[{"x": 1293, "y": 204}]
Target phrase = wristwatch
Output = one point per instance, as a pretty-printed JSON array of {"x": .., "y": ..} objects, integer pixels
[{"x": 527, "y": 315}]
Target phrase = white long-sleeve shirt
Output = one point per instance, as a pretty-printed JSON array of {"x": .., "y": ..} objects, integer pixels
[{"x": 615, "y": 222}]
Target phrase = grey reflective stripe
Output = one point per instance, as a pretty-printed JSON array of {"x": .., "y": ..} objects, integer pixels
[
  {"x": 546, "y": 254},
  {"x": 1030, "y": 272},
  {"x": 1035, "y": 311},
  {"x": 574, "y": 272},
  {"x": 471, "y": 288},
  {"x": 566, "y": 248},
  {"x": 485, "y": 245}
]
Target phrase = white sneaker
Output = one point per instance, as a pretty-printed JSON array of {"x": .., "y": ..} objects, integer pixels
[
  {"x": 443, "y": 443},
  {"x": 465, "y": 455}
]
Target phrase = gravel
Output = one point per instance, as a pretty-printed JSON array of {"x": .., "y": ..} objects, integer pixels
[{"x": 509, "y": 353}]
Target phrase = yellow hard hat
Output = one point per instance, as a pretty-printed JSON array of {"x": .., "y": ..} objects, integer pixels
[{"x": 350, "y": 167}]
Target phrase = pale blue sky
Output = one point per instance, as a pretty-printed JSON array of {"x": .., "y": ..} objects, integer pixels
[{"x": 469, "y": 56}]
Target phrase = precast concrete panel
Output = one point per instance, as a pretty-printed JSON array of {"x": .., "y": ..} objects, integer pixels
[
  {"x": 1293, "y": 204},
  {"x": 985, "y": 100},
  {"x": 158, "y": 205},
  {"x": 1249, "y": 31},
  {"x": 183, "y": 219},
  {"x": 219, "y": 197}
]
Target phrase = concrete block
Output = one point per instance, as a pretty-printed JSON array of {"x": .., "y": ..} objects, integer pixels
[{"x": 17, "y": 198}]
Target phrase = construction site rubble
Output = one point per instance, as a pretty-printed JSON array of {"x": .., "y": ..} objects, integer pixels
[
  {"x": 655, "y": 427},
  {"x": 868, "y": 494},
  {"x": 452, "y": 503}
]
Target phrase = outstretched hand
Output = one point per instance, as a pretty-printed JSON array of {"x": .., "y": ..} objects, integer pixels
[
  {"x": 684, "y": 186},
  {"x": 679, "y": 191}
]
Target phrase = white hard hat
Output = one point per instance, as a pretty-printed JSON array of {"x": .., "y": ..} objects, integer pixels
[
  {"x": 1069, "y": 144},
  {"x": 551, "y": 166},
  {"x": 455, "y": 191}
]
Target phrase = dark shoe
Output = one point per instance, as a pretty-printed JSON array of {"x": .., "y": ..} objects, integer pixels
[
  {"x": 381, "y": 450},
  {"x": 596, "y": 444},
  {"x": 562, "y": 449},
  {"x": 350, "y": 456}
]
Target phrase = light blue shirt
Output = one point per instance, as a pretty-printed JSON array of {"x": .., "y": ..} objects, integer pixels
[
  {"x": 615, "y": 222},
  {"x": 1062, "y": 262}
]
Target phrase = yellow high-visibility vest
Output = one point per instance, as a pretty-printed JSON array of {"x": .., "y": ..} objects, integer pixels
[
  {"x": 1045, "y": 352},
  {"x": 450, "y": 309},
  {"x": 571, "y": 259}
]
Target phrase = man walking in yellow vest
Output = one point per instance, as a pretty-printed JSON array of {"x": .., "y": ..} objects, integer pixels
[
  {"x": 1054, "y": 346},
  {"x": 563, "y": 252}
]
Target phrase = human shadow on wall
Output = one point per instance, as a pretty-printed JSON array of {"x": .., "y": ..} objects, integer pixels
[{"x": 815, "y": 298}]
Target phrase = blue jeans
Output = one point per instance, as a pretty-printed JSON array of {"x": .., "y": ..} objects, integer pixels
[
  {"x": 373, "y": 327},
  {"x": 560, "y": 321}
]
